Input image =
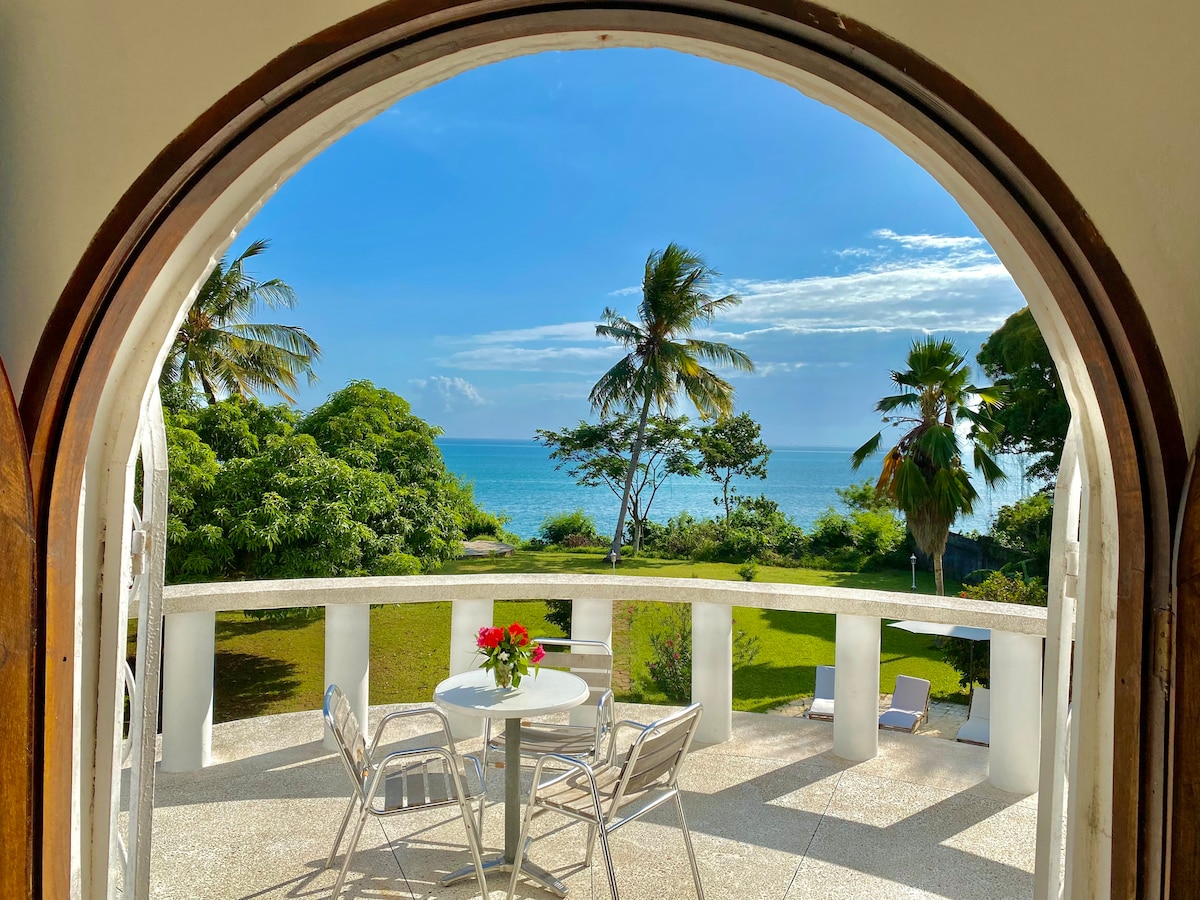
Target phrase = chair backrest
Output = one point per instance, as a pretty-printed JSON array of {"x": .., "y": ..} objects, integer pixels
[
  {"x": 825, "y": 678},
  {"x": 981, "y": 702},
  {"x": 590, "y": 660},
  {"x": 352, "y": 746},
  {"x": 911, "y": 693},
  {"x": 658, "y": 753}
]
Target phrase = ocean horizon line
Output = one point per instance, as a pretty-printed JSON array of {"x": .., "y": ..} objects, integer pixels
[{"x": 807, "y": 448}]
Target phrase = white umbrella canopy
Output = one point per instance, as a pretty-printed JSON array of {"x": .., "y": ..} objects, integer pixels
[{"x": 969, "y": 632}]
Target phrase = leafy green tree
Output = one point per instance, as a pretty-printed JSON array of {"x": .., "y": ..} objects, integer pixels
[
  {"x": 357, "y": 487},
  {"x": 596, "y": 454},
  {"x": 1035, "y": 415},
  {"x": 732, "y": 447},
  {"x": 663, "y": 358},
  {"x": 1024, "y": 527},
  {"x": 923, "y": 474},
  {"x": 239, "y": 426},
  {"x": 220, "y": 349},
  {"x": 374, "y": 429}
]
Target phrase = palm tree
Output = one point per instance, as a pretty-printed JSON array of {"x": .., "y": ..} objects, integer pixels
[
  {"x": 218, "y": 348},
  {"x": 663, "y": 359},
  {"x": 923, "y": 474}
]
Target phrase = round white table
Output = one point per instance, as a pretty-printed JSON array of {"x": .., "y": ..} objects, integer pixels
[{"x": 475, "y": 693}]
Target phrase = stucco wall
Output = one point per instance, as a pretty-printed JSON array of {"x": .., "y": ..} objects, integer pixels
[{"x": 91, "y": 91}]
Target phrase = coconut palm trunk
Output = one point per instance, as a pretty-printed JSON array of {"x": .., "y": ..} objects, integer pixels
[
  {"x": 663, "y": 358},
  {"x": 614, "y": 552}
]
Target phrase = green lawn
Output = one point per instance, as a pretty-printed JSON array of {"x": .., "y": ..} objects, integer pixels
[{"x": 265, "y": 667}]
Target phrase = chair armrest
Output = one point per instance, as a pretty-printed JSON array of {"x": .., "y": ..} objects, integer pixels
[
  {"x": 612, "y": 740},
  {"x": 408, "y": 714},
  {"x": 478, "y": 766}
]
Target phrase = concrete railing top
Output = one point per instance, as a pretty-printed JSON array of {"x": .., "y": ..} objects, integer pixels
[{"x": 234, "y": 595}]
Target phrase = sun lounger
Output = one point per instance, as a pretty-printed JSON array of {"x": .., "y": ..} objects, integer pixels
[
  {"x": 977, "y": 729},
  {"x": 910, "y": 705},
  {"x": 822, "y": 705}
]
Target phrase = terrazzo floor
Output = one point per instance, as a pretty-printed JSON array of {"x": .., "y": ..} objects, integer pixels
[{"x": 772, "y": 812}]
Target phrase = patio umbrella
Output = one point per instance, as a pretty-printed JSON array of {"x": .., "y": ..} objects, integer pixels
[{"x": 959, "y": 631}]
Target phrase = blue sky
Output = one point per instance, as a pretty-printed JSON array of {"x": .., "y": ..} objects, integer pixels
[{"x": 459, "y": 248}]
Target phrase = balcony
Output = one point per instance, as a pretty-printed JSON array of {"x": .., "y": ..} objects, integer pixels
[
  {"x": 780, "y": 807},
  {"x": 773, "y": 813}
]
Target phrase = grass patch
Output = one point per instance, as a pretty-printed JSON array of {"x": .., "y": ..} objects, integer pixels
[{"x": 271, "y": 667}]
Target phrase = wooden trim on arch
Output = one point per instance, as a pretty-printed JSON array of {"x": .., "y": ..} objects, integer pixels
[
  {"x": 18, "y": 653},
  {"x": 1185, "y": 691},
  {"x": 80, "y": 342}
]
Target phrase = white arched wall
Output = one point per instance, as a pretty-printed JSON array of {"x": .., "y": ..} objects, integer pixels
[{"x": 158, "y": 315}]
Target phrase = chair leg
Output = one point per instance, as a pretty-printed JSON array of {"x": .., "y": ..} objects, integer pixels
[
  {"x": 342, "y": 830},
  {"x": 516, "y": 872},
  {"x": 608, "y": 863},
  {"x": 362, "y": 820},
  {"x": 591, "y": 845},
  {"x": 475, "y": 842},
  {"x": 687, "y": 840}
]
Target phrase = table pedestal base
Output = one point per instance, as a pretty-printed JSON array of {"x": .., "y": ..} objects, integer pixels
[{"x": 498, "y": 865}]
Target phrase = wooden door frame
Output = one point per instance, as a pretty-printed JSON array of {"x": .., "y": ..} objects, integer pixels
[{"x": 81, "y": 340}]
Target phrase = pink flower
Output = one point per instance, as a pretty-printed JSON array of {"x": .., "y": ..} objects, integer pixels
[{"x": 538, "y": 654}]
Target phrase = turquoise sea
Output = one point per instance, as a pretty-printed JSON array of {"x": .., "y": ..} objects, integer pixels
[{"x": 519, "y": 479}]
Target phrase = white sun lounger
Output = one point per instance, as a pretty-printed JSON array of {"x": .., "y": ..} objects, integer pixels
[
  {"x": 822, "y": 705},
  {"x": 910, "y": 705},
  {"x": 978, "y": 727}
]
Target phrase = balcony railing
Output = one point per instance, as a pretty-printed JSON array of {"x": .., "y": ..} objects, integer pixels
[{"x": 1016, "y": 647}]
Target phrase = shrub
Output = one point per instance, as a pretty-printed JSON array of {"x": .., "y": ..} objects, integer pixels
[
  {"x": 748, "y": 571},
  {"x": 671, "y": 653},
  {"x": 558, "y": 613},
  {"x": 557, "y": 528},
  {"x": 972, "y": 659},
  {"x": 864, "y": 539},
  {"x": 398, "y": 564}
]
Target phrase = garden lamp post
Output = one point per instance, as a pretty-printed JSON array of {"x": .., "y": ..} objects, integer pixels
[{"x": 913, "y": 559}]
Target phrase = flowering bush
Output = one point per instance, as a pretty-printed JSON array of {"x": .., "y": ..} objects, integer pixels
[{"x": 508, "y": 653}]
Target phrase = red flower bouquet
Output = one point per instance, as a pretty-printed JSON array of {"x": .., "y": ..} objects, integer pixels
[{"x": 508, "y": 653}]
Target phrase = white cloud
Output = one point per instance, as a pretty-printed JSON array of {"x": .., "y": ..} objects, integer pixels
[
  {"x": 930, "y": 241},
  {"x": 626, "y": 291},
  {"x": 955, "y": 284},
  {"x": 909, "y": 284},
  {"x": 453, "y": 393},
  {"x": 510, "y": 358},
  {"x": 566, "y": 331}
]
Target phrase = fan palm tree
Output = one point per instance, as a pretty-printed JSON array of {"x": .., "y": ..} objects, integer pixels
[
  {"x": 220, "y": 350},
  {"x": 923, "y": 474},
  {"x": 663, "y": 359}
]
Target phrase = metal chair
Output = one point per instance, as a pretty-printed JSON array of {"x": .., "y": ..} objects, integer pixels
[
  {"x": 405, "y": 780},
  {"x": 602, "y": 795},
  {"x": 593, "y": 662}
]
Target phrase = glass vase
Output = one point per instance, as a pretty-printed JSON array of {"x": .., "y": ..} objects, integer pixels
[{"x": 503, "y": 675}]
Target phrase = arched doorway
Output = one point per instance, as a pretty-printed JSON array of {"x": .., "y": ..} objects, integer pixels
[{"x": 100, "y": 350}]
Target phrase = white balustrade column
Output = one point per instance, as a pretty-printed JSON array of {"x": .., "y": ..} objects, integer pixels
[
  {"x": 348, "y": 657},
  {"x": 856, "y": 688},
  {"x": 1016, "y": 711},
  {"x": 591, "y": 620},
  {"x": 189, "y": 645},
  {"x": 712, "y": 670},
  {"x": 466, "y": 618}
]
